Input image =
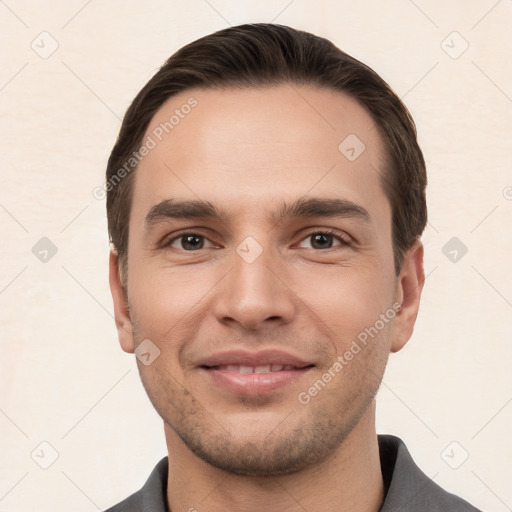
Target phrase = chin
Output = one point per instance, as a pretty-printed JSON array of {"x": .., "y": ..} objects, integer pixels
[{"x": 263, "y": 451}]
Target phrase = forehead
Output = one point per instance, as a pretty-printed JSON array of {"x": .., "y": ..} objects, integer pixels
[{"x": 249, "y": 147}]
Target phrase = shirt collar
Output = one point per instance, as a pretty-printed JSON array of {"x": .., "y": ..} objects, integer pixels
[{"x": 406, "y": 486}]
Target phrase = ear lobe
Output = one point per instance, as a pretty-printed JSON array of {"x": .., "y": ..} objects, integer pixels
[
  {"x": 121, "y": 308},
  {"x": 409, "y": 287}
]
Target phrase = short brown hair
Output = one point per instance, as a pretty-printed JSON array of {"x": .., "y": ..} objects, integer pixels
[{"x": 258, "y": 55}]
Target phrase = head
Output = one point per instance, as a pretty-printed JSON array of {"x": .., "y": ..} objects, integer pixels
[{"x": 266, "y": 195}]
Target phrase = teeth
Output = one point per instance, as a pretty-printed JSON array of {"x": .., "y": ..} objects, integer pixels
[{"x": 266, "y": 368}]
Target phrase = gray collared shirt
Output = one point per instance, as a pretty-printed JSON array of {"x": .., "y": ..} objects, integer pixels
[{"x": 408, "y": 489}]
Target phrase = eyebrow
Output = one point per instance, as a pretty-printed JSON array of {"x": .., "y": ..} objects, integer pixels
[{"x": 301, "y": 208}]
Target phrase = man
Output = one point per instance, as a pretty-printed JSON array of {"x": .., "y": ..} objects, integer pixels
[{"x": 265, "y": 200}]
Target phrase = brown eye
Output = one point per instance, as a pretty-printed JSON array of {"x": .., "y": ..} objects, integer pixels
[
  {"x": 187, "y": 242},
  {"x": 323, "y": 240}
]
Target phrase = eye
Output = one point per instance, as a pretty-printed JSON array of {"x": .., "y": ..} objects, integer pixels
[
  {"x": 325, "y": 239},
  {"x": 187, "y": 242}
]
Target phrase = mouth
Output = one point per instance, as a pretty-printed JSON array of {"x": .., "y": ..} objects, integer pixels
[
  {"x": 266, "y": 368},
  {"x": 243, "y": 373}
]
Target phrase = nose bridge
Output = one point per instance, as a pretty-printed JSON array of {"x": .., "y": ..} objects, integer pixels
[
  {"x": 252, "y": 270},
  {"x": 252, "y": 293}
]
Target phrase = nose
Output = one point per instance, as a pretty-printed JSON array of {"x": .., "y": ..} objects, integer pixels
[{"x": 255, "y": 294}]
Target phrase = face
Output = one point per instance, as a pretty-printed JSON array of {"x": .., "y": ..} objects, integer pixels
[{"x": 260, "y": 266}]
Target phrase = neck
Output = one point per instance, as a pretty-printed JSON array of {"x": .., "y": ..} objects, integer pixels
[{"x": 349, "y": 480}]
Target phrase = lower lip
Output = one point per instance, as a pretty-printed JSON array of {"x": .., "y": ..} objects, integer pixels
[{"x": 254, "y": 384}]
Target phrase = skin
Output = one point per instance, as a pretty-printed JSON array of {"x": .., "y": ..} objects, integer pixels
[{"x": 247, "y": 151}]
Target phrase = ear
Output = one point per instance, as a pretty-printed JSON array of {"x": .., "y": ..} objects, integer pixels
[
  {"x": 121, "y": 309},
  {"x": 408, "y": 292}
]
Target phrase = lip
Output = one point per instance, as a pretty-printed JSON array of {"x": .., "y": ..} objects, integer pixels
[
  {"x": 253, "y": 384},
  {"x": 246, "y": 358}
]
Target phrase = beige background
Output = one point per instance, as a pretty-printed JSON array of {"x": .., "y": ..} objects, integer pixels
[{"x": 65, "y": 380}]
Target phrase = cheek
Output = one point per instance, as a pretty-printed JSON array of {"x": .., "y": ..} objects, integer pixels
[
  {"x": 157, "y": 291},
  {"x": 166, "y": 302},
  {"x": 347, "y": 300}
]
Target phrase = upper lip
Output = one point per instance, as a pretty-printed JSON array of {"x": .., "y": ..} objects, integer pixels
[{"x": 246, "y": 358}]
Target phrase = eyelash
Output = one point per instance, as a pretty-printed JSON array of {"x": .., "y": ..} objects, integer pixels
[{"x": 345, "y": 241}]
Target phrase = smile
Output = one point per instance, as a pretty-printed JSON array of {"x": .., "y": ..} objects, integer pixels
[{"x": 253, "y": 369}]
